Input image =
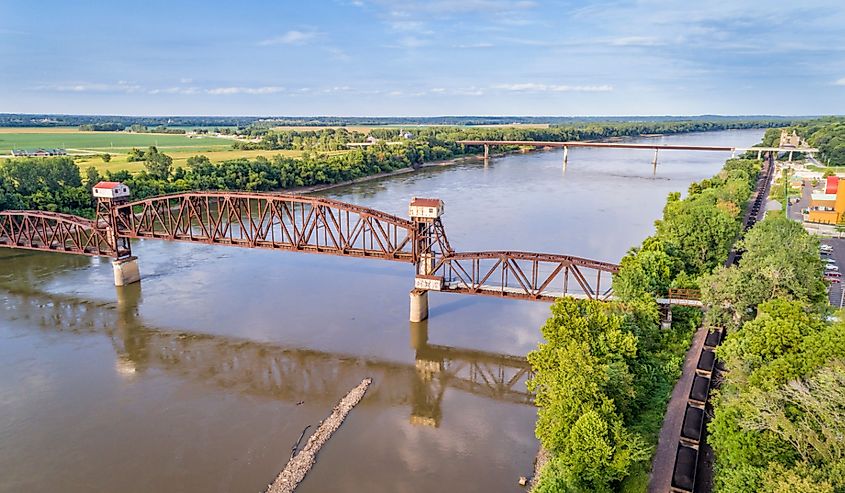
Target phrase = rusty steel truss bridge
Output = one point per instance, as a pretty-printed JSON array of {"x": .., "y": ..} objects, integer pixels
[{"x": 298, "y": 223}]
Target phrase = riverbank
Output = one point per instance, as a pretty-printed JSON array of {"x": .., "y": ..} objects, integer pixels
[{"x": 402, "y": 171}]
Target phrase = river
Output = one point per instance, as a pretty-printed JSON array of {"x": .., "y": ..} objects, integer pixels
[{"x": 202, "y": 377}]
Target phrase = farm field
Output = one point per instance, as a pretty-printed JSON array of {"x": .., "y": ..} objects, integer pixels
[
  {"x": 180, "y": 158},
  {"x": 72, "y": 139}
]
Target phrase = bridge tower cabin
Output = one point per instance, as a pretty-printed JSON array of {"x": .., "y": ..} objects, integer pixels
[
  {"x": 110, "y": 195},
  {"x": 429, "y": 243}
]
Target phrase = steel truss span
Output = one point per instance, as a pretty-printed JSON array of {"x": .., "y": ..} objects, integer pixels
[
  {"x": 533, "y": 276},
  {"x": 313, "y": 225},
  {"x": 274, "y": 221},
  {"x": 52, "y": 231}
]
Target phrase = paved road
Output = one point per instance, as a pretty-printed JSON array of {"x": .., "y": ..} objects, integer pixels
[{"x": 803, "y": 203}]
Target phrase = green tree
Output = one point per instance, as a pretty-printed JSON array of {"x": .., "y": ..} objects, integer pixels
[
  {"x": 581, "y": 372},
  {"x": 157, "y": 164},
  {"x": 92, "y": 177},
  {"x": 106, "y": 157}
]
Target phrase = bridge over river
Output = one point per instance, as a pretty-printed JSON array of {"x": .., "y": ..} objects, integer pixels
[{"x": 298, "y": 223}]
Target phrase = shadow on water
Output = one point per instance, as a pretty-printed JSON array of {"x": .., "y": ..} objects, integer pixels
[{"x": 288, "y": 374}]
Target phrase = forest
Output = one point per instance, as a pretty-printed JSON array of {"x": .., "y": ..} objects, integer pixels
[{"x": 605, "y": 371}]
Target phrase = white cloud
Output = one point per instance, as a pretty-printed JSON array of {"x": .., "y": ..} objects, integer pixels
[
  {"x": 636, "y": 41},
  {"x": 413, "y": 42},
  {"x": 290, "y": 38},
  {"x": 840, "y": 82},
  {"x": 121, "y": 86},
  {"x": 474, "y": 45},
  {"x": 176, "y": 90},
  {"x": 244, "y": 90},
  {"x": 534, "y": 87}
]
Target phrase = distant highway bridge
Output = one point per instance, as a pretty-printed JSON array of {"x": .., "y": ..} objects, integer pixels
[{"x": 628, "y": 145}]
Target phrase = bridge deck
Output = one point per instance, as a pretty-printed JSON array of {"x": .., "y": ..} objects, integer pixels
[{"x": 627, "y": 145}]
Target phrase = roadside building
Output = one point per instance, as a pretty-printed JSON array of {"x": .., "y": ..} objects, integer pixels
[
  {"x": 38, "y": 152},
  {"x": 827, "y": 207},
  {"x": 790, "y": 140}
]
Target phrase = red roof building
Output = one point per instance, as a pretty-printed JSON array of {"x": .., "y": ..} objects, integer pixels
[{"x": 832, "y": 184}]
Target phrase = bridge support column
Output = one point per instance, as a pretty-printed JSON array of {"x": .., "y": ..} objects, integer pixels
[
  {"x": 126, "y": 271},
  {"x": 759, "y": 154},
  {"x": 654, "y": 162},
  {"x": 565, "y": 155},
  {"x": 790, "y": 156},
  {"x": 486, "y": 152},
  {"x": 666, "y": 323},
  {"x": 419, "y": 305}
]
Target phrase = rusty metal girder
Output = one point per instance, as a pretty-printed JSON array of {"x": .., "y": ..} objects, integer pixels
[
  {"x": 312, "y": 225},
  {"x": 274, "y": 221},
  {"x": 534, "y": 276},
  {"x": 52, "y": 231}
]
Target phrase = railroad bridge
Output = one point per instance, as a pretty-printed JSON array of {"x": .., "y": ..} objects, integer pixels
[{"x": 298, "y": 223}]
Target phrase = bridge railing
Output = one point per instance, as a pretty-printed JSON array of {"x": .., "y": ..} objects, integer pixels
[
  {"x": 53, "y": 231},
  {"x": 526, "y": 275}
]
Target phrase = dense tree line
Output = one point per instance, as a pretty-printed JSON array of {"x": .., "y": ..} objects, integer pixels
[
  {"x": 779, "y": 416},
  {"x": 605, "y": 371},
  {"x": 56, "y": 184},
  {"x": 443, "y": 139},
  {"x": 48, "y": 184},
  {"x": 102, "y": 127}
]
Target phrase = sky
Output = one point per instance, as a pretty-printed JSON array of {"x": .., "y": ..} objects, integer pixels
[{"x": 422, "y": 57}]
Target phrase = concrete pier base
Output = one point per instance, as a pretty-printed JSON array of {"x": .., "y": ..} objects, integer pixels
[
  {"x": 419, "y": 305},
  {"x": 126, "y": 271}
]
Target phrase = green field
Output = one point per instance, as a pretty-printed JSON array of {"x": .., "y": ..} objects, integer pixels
[
  {"x": 104, "y": 141},
  {"x": 180, "y": 158}
]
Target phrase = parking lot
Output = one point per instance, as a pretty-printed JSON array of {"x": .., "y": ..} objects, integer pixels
[{"x": 835, "y": 290}]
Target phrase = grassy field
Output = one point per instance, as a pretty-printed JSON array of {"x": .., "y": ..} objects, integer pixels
[
  {"x": 180, "y": 158},
  {"x": 72, "y": 139}
]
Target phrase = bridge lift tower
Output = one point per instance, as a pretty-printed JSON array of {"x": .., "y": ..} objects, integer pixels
[
  {"x": 109, "y": 195},
  {"x": 429, "y": 243}
]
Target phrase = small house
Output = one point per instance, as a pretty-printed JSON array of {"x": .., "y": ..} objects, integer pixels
[
  {"x": 110, "y": 190},
  {"x": 425, "y": 208}
]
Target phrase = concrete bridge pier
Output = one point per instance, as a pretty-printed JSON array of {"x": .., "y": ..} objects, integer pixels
[
  {"x": 486, "y": 152},
  {"x": 419, "y": 305},
  {"x": 126, "y": 271},
  {"x": 790, "y": 156},
  {"x": 654, "y": 162},
  {"x": 565, "y": 156},
  {"x": 759, "y": 154}
]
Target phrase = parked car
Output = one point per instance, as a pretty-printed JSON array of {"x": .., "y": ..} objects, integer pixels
[
  {"x": 833, "y": 274},
  {"x": 826, "y": 248},
  {"x": 830, "y": 267},
  {"x": 828, "y": 261},
  {"x": 833, "y": 280}
]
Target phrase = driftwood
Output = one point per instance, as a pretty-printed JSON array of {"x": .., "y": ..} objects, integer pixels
[{"x": 299, "y": 465}]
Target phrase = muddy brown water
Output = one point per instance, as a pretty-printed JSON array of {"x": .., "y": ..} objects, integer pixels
[{"x": 202, "y": 377}]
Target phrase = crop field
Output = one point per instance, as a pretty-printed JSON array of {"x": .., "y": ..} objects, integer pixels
[
  {"x": 180, "y": 158},
  {"x": 72, "y": 139}
]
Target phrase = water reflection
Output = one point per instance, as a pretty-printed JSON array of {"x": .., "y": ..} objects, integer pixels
[{"x": 286, "y": 373}]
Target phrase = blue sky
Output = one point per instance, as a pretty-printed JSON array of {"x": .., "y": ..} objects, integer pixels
[{"x": 417, "y": 57}]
